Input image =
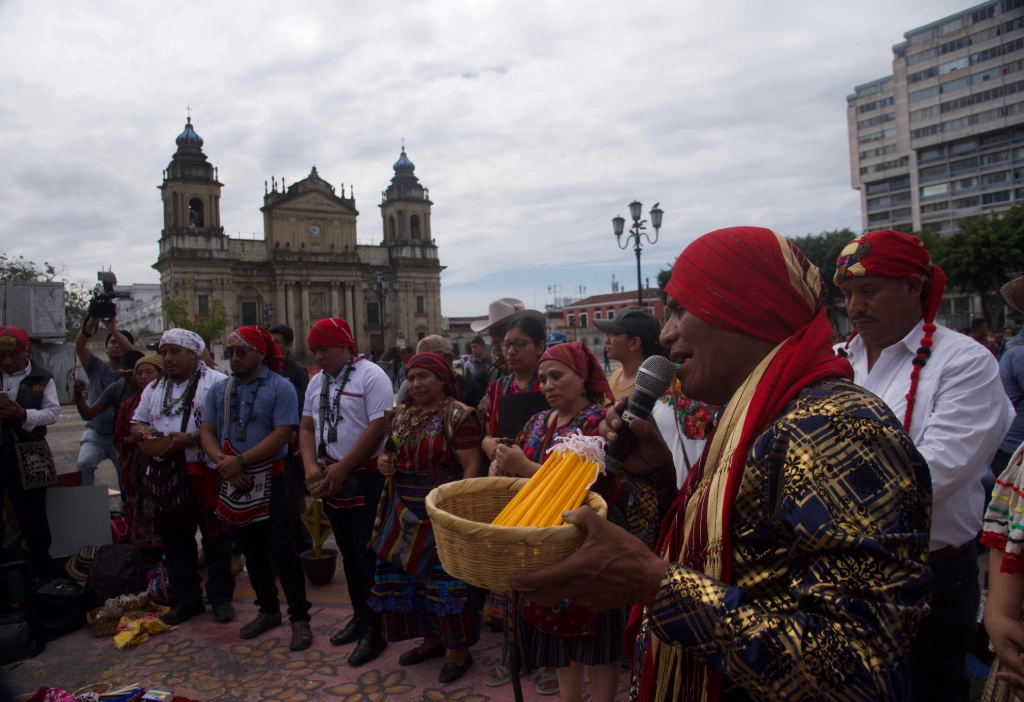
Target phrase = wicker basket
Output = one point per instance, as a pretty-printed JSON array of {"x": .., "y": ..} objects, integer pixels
[
  {"x": 107, "y": 626},
  {"x": 484, "y": 555}
]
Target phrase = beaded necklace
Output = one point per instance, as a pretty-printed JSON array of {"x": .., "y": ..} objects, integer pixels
[
  {"x": 169, "y": 406},
  {"x": 330, "y": 412},
  {"x": 234, "y": 411}
]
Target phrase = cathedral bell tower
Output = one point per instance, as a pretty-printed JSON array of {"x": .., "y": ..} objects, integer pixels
[
  {"x": 191, "y": 192},
  {"x": 405, "y": 207}
]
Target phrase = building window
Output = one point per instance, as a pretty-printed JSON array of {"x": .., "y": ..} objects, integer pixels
[
  {"x": 932, "y": 190},
  {"x": 420, "y": 335},
  {"x": 372, "y": 313},
  {"x": 995, "y": 198},
  {"x": 414, "y": 226},
  {"x": 583, "y": 320},
  {"x": 611, "y": 313},
  {"x": 204, "y": 305},
  {"x": 597, "y": 315},
  {"x": 391, "y": 227},
  {"x": 964, "y": 202},
  {"x": 248, "y": 314},
  {"x": 420, "y": 305},
  {"x": 195, "y": 213},
  {"x": 571, "y": 320}
]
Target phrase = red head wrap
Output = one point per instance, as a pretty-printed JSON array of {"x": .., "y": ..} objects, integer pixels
[
  {"x": 892, "y": 254},
  {"x": 581, "y": 359},
  {"x": 12, "y": 338},
  {"x": 438, "y": 365},
  {"x": 331, "y": 332},
  {"x": 261, "y": 340}
]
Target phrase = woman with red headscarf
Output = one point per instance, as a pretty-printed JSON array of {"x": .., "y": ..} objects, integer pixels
[
  {"x": 436, "y": 441},
  {"x": 573, "y": 383},
  {"x": 791, "y": 566}
]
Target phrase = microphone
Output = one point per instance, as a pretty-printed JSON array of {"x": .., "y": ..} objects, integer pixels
[{"x": 652, "y": 380}]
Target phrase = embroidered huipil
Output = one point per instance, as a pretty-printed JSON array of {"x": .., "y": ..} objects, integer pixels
[{"x": 829, "y": 539}]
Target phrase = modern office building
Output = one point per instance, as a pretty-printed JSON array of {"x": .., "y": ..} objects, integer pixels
[{"x": 941, "y": 140}]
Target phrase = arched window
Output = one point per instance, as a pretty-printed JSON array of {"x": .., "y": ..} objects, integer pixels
[
  {"x": 195, "y": 213},
  {"x": 414, "y": 226},
  {"x": 391, "y": 227}
]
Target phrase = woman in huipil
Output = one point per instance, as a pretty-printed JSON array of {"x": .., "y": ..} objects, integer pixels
[
  {"x": 567, "y": 638},
  {"x": 437, "y": 441}
]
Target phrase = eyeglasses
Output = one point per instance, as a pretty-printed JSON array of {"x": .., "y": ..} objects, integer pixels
[
  {"x": 239, "y": 350},
  {"x": 518, "y": 344}
]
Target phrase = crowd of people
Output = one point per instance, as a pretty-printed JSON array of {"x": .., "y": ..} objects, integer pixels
[{"x": 798, "y": 519}]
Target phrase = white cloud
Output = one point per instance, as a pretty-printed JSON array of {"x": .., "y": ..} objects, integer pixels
[{"x": 532, "y": 124}]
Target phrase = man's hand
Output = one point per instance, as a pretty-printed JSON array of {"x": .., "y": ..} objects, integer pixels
[
  {"x": 80, "y": 386},
  {"x": 650, "y": 453},
  {"x": 229, "y": 469},
  {"x": 335, "y": 477},
  {"x": 110, "y": 324},
  {"x": 12, "y": 410},
  {"x": 179, "y": 442},
  {"x": 612, "y": 569}
]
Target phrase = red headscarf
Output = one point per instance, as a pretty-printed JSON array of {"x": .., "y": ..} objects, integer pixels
[
  {"x": 438, "y": 365},
  {"x": 581, "y": 359},
  {"x": 13, "y": 338},
  {"x": 891, "y": 254},
  {"x": 331, "y": 331},
  {"x": 261, "y": 340},
  {"x": 753, "y": 281}
]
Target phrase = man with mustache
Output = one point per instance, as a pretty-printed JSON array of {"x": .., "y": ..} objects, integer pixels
[
  {"x": 945, "y": 388},
  {"x": 791, "y": 566}
]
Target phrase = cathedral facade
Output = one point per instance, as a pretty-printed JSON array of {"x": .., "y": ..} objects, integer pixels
[{"x": 308, "y": 265}]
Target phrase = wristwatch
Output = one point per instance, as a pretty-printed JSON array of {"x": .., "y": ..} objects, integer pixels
[{"x": 241, "y": 461}]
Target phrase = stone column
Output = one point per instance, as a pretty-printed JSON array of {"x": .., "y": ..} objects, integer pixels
[
  {"x": 280, "y": 305},
  {"x": 289, "y": 305},
  {"x": 335, "y": 310},
  {"x": 304, "y": 322},
  {"x": 350, "y": 305}
]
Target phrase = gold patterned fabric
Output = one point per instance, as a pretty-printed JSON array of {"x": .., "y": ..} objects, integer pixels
[{"x": 830, "y": 538}]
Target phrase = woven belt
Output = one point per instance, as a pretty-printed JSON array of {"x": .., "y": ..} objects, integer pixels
[{"x": 946, "y": 552}]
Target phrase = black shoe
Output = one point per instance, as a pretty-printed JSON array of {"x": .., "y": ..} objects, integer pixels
[
  {"x": 183, "y": 612},
  {"x": 414, "y": 656},
  {"x": 223, "y": 612},
  {"x": 353, "y": 631},
  {"x": 370, "y": 646},
  {"x": 451, "y": 672}
]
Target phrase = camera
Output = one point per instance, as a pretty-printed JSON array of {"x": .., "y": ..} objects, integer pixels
[{"x": 102, "y": 305}]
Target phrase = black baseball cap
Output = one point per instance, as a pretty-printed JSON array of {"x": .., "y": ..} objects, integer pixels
[{"x": 633, "y": 320}]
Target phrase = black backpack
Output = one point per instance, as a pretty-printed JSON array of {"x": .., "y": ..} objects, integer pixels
[
  {"x": 118, "y": 569},
  {"x": 21, "y": 630},
  {"x": 61, "y": 605}
]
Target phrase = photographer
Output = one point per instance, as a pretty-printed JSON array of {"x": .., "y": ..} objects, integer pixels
[{"x": 97, "y": 440}]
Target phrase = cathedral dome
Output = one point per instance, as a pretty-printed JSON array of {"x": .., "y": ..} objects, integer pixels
[
  {"x": 403, "y": 163},
  {"x": 190, "y": 138}
]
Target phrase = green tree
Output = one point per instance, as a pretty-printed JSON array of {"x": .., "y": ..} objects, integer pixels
[
  {"x": 76, "y": 293},
  {"x": 209, "y": 326},
  {"x": 823, "y": 250},
  {"x": 983, "y": 255},
  {"x": 20, "y": 269},
  {"x": 663, "y": 277}
]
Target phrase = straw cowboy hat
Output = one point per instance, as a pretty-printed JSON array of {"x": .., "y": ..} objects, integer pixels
[
  {"x": 1013, "y": 293},
  {"x": 503, "y": 311}
]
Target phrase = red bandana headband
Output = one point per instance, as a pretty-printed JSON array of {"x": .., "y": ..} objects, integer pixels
[
  {"x": 581, "y": 359},
  {"x": 331, "y": 331},
  {"x": 12, "y": 338},
  {"x": 259, "y": 339},
  {"x": 892, "y": 254}
]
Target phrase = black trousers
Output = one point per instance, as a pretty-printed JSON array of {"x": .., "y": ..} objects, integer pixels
[
  {"x": 939, "y": 661},
  {"x": 353, "y": 527},
  {"x": 30, "y": 510},
  {"x": 178, "y": 533},
  {"x": 269, "y": 550},
  {"x": 295, "y": 477}
]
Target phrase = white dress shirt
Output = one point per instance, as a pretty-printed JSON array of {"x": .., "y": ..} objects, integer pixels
[
  {"x": 684, "y": 450},
  {"x": 47, "y": 414},
  {"x": 366, "y": 396},
  {"x": 150, "y": 410},
  {"x": 961, "y": 414}
]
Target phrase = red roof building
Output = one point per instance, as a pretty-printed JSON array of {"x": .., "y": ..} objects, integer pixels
[{"x": 583, "y": 314}]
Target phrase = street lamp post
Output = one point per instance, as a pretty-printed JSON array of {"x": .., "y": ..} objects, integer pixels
[
  {"x": 635, "y": 232},
  {"x": 383, "y": 290}
]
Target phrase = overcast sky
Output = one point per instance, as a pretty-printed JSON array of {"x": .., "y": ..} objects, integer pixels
[{"x": 533, "y": 124}]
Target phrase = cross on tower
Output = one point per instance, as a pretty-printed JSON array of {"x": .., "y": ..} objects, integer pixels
[
  {"x": 403, "y": 145},
  {"x": 188, "y": 111}
]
